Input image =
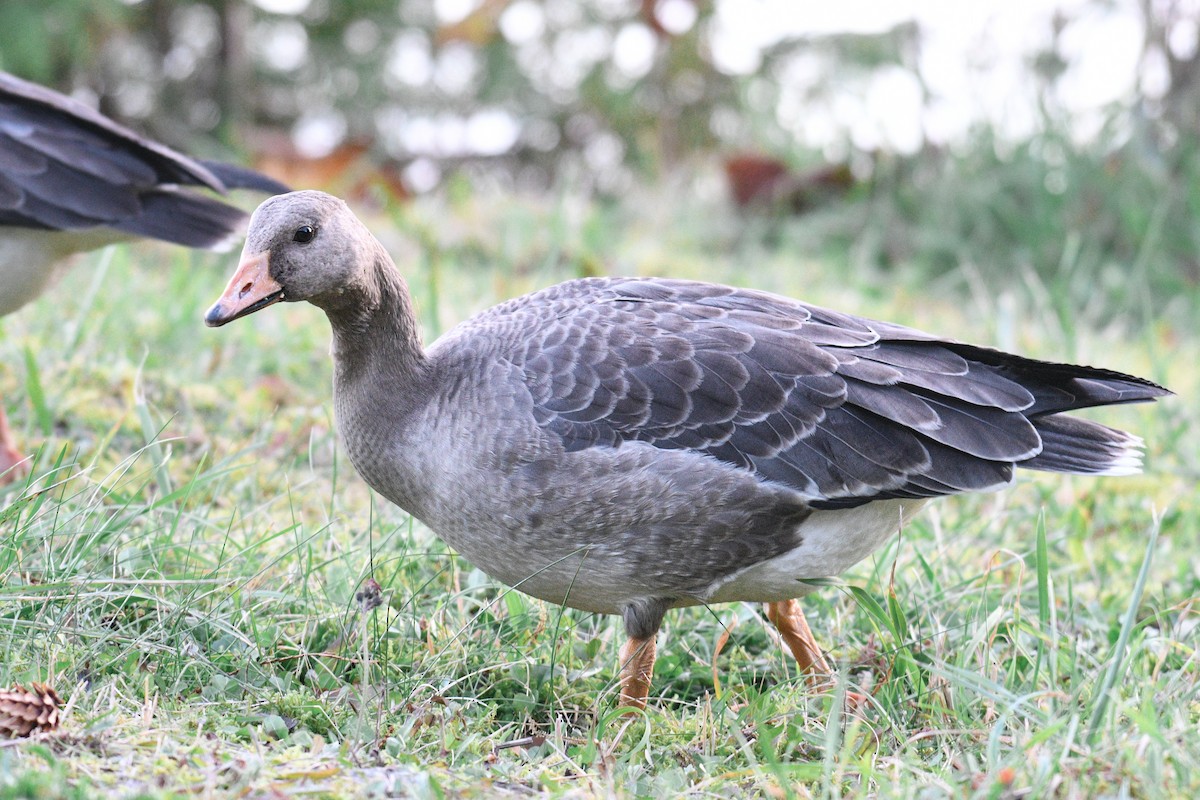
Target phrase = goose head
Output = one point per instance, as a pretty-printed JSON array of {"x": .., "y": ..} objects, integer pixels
[{"x": 304, "y": 245}]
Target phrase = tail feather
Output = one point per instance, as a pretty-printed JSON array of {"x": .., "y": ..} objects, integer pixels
[{"x": 1083, "y": 447}]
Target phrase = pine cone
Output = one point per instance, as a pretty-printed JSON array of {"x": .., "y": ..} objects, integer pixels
[{"x": 23, "y": 711}]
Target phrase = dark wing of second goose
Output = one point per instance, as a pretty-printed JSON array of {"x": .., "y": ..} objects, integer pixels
[
  {"x": 65, "y": 166},
  {"x": 842, "y": 409}
]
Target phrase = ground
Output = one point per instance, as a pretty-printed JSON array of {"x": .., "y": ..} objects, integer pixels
[{"x": 184, "y": 563}]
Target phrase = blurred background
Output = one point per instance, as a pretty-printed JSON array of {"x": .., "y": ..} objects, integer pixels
[{"x": 980, "y": 143}]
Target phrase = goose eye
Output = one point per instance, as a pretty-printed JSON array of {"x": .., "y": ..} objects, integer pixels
[{"x": 304, "y": 234}]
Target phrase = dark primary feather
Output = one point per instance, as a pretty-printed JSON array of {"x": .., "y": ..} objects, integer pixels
[
  {"x": 843, "y": 409},
  {"x": 188, "y": 219},
  {"x": 64, "y": 166}
]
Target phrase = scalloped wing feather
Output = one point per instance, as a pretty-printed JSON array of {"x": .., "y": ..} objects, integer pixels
[{"x": 841, "y": 409}]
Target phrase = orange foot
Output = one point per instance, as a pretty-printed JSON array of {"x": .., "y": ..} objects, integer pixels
[{"x": 788, "y": 618}]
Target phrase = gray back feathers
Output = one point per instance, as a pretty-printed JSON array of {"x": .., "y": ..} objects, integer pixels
[{"x": 842, "y": 409}]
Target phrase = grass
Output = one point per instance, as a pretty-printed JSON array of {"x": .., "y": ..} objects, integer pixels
[{"x": 187, "y": 563}]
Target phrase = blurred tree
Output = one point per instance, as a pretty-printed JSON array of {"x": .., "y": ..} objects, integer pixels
[
  {"x": 599, "y": 84},
  {"x": 604, "y": 84},
  {"x": 598, "y": 87},
  {"x": 1170, "y": 85},
  {"x": 52, "y": 41},
  {"x": 395, "y": 93}
]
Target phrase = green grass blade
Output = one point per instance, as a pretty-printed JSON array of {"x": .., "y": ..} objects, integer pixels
[
  {"x": 78, "y": 327},
  {"x": 1048, "y": 638},
  {"x": 37, "y": 396},
  {"x": 1117, "y": 660},
  {"x": 151, "y": 433}
]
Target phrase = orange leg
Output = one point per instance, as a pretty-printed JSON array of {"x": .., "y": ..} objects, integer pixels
[
  {"x": 637, "y": 666},
  {"x": 788, "y": 618},
  {"x": 12, "y": 464}
]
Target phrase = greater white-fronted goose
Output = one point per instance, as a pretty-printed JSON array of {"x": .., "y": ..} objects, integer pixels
[
  {"x": 630, "y": 445},
  {"x": 73, "y": 180}
]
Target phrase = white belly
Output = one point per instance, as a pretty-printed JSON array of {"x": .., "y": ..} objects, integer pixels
[
  {"x": 833, "y": 541},
  {"x": 30, "y": 259}
]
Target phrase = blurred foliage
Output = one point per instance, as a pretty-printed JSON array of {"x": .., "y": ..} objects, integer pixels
[
  {"x": 598, "y": 95},
  {"x": 1101, "y": 237},
  {"x": 54, "y": 40},
  {"x": 600, "y": 85}
]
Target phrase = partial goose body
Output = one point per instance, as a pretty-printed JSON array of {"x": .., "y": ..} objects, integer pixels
[
  {"x": 72, "y": 180},
  {"x": 628, "y": 445},
  {"x": 609, "y": 442}
]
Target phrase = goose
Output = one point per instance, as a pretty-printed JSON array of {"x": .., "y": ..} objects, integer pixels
[
  {"x": 73, "y": 180},
  {"x": 631, "y": 445}
]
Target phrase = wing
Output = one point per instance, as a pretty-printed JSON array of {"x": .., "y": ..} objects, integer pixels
[
  {"x": 840, "y": 408},
  {"x": 64, "y": 166}
]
